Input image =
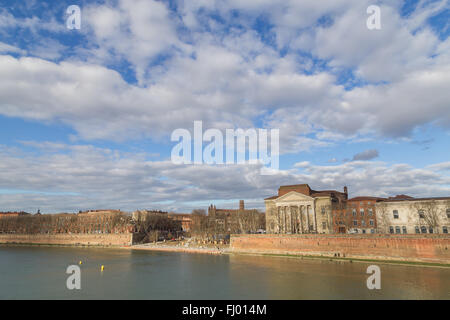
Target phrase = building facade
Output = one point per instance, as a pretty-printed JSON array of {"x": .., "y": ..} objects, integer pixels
[
  {"x": 240, "y": 220},
  {"x": 356, "y": 215},
  {"x": 407, "y": 215},
  {"x": 184, "y": 218},
  {"x": 300, "y": 209},
  {"x": 10, "y": 214}
]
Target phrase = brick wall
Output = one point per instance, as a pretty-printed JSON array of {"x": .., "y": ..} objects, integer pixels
[
  {"x": 124, "y": 239},
  {"x": 424, "y": 248}
]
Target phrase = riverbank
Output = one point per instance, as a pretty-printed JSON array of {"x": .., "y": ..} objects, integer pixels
[
  {"x": 209, "y": 250},
  {"x": 67, "y": 239},
  {"x": 180, "y": 247},
  {"x": 426, "y": 249},
  {"x": 430, "y": 250},
  {"x": 174, "y": 247}
]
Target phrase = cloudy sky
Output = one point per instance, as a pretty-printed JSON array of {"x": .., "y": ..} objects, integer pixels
[{"x": 86, "y": 115}]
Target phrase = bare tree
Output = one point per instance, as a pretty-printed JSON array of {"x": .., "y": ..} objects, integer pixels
[
  {"x": 428, "y": 213},
  {"x": 382, "y": 216}
]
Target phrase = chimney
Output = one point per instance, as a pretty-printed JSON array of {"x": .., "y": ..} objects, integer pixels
[
  {"x": 241, "y": 204},
  {"x": 345, "y": 190}
]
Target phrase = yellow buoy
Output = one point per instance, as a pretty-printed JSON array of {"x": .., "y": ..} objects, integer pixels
[
  {"x": 81, "y": 262},
  {"x": 102, "y": 268}
]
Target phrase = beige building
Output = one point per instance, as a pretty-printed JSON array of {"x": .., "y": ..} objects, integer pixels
[
  {"x": 407, "y": 215},
  {"x": 299, "y": 209}
]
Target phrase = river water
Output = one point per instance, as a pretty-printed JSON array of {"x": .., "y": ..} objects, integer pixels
[{"x": 40, "y": 273}]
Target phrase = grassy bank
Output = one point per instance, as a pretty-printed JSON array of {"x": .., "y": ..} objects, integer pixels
[{"x": 350, "y": 260}]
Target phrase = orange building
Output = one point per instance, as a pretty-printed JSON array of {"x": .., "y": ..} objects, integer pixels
[
  {"x": 12, "y": 214},
  {"x": 184, "y": 218},
  {"x": 356, "y": 215}
]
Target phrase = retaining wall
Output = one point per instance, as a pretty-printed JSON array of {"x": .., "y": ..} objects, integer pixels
[
  {"x": 121, "y": 239},
  {"x": 423, "y": 248}
]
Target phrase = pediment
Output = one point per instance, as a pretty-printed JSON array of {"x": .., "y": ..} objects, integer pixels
[{"x": 294, "y": 196}]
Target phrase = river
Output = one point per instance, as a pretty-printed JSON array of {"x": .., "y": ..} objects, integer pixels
[{"x": 40, "y": 273}]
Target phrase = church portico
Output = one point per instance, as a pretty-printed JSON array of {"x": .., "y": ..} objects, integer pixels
[
  {"x": 296, "y": 211},
  {"x": 296, "y": 217}
]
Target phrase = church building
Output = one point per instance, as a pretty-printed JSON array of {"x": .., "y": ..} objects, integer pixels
[{"x": 300, "y": 209}]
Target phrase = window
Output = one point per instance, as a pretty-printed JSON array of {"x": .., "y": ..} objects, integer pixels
[
  {"x": 354, "y": 212},
  {"x": 397, "y": 229},
  {"x": 368, "y": 203},
  {"x": 404, "y": 229},
  {"x": 448, "y": 213},
  {"x": 421, "y": 214},
  {"x": 355, "y": 222},
  {"x": 444, "y": 230},
  {"x": 363, "y": 223},
  {"x": 430, "y": 229},
  {"x": 395, "y": 212},
  {"x": 363, "y": 230},
  {"x": 391, "y": 229},
  {"x": 417, "y": 229},
  {"x": 324, "y": 225},
  {"x": 372, "y": 230},
  {"x": 423, "y": 229},
  {"x": 370, "y": 211},
  {"x": 323, "y": 210},
  {"x": 371, "y": 222},
  {"x": 361, "y": 211}
]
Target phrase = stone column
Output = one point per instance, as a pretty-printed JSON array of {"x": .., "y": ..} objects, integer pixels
[
  {"x": 293, "y": 221},
  {"x": 301, "y": 218},
  {"x": 307, "y": 218},
  {"x": 288, "y": 218},
  {"x": 279, "y": 219},
  {"x": 315, "y": 218}
]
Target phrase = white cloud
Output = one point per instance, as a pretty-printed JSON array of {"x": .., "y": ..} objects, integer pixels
[
  {"x": 73, "y": 177},
  {"x": 137, "y": 30},
  {"x": 228, "y": 77},
  {"x": 6, "y": 48}
]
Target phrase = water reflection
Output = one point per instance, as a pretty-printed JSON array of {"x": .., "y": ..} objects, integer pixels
[{"x": 295, "y": 278}]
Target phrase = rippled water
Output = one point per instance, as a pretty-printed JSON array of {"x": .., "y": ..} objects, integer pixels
[{"x": 40, "y": 273}]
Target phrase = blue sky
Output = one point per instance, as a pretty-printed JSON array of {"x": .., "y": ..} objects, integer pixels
[{"x": 86, "y": 115}]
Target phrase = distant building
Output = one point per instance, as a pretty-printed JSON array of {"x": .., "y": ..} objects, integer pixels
[
  {"x": 300, "y": 209},
  {"x": 12, "y": 214},
  {"x": 184, "y": 218},
  {"x": 220, "y": 213},
  {"x": 227, "y": 220},
  {"x": 139, "y": 215},
  {"x": 99, "y": 212}
]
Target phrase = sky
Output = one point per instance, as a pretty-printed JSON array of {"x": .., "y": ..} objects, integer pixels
[{"x": 86, "y": 115}]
